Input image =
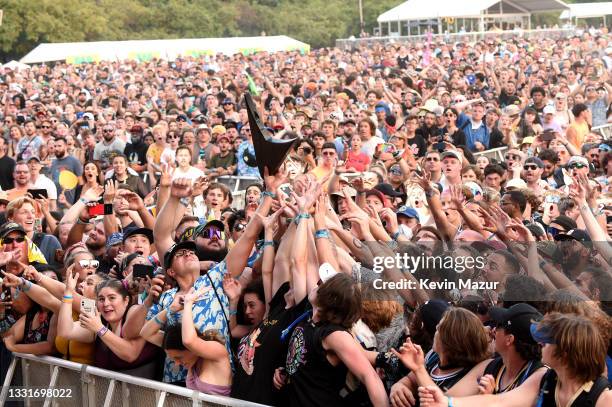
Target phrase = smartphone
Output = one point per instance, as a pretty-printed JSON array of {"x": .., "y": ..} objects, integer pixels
[
  {"x": 88, "y": 306},
  {"x": 38, "y": 193},
  {"x": 385, "y": 148},
  {"x": 287, "y": 190},
  {"x": 96, "y": 210},
  {"x": 142, "y": 271},
  {"x": 350, "y": 176}
]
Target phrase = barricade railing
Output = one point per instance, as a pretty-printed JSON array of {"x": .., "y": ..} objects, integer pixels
[
  {"x": 555, "y": 33},
  {"x": 605, "y": 130},
  {"x": 497, "y": 153},
  {"x": 94, "y": 387}
]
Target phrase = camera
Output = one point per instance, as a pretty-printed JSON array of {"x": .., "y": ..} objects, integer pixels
[{"x": 307, "y": 150}]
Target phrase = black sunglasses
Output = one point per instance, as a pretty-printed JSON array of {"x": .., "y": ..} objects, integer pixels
[{"x": 10, "y": 240}]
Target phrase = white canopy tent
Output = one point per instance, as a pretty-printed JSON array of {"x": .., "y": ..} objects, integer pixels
[
  {"x": 15, "y": 66},
  {"x": 587, "y": 10},
  {"x": 410, "y": 17},
  {"x": 79, "y": 52}
]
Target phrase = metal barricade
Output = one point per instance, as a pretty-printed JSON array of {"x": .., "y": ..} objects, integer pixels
[
  {"x": 605, "y": 130},
  {"x": 94, "y": 387},
  {"x": 497, "y": 153}
]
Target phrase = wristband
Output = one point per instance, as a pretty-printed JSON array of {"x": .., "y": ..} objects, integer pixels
[
  {"x": 26, "y": 285},
  {"x": 67, "y": 301},
  {"x": 267, "y": 243},
  {"x": 395, "y": 235},
  {"x": 268, "y": 193},
  {"x": 233, "y": 312},
  {"x": 160, "y": 323},
  {"x": 185, "y": 201},
  {"x": 83, "y": 201},
  {"x": 300, "y": 217},
  {"x": 102, "y": 331},
  {"x": 322, "y": 234},
  {"x": 450, "y": 402},
  {"x": 429, "y": 194},
  {"x": 67, "y": 297}
]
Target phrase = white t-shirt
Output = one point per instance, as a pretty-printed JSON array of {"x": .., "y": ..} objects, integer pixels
[
  {"x": 369, "y": 147},
  {"x": 192, "y": 173},
  {"x": 43, "y": 182}
]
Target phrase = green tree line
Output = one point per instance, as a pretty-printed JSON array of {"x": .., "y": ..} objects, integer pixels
[{"x": 28, "y": 23}]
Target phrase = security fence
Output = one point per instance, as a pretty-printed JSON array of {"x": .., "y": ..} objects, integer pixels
[{"x": 89, "y": 386}]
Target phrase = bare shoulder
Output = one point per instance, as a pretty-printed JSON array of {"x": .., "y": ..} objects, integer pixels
[{"x": 605, "y": 399}]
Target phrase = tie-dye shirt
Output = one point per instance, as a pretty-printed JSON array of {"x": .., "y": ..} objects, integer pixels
[{"x": 207, "y": 314}]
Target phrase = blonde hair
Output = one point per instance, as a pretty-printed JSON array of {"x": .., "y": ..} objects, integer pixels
[{"x": 17, "y": 203}]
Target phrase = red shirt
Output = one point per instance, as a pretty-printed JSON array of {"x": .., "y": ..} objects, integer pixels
[{"x": 358, "y": 161}]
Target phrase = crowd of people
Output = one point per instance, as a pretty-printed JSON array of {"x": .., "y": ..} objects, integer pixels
[{"x": 122, "y": 247}]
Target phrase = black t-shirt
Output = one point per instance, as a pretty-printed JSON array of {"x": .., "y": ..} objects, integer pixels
[
  {"x": 548, "y": 387},
  {"x": 505, "y": 99},
  {"x": 419, "y": 141},
  {"x": 136, "y": 153},
  {"x": 458, "y": 137},
  {"x": 7, "y": 166},
  {"x": 429, "y": 134},
  {"x": 312, "y": 380},
  {"x": 496, "y": 138},
  {"x": 262, "y": 351}
]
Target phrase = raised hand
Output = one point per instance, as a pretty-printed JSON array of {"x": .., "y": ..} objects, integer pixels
[
  {"x": 486, "y": 384},
  {"x": 199, "y": 186},
  {"x": 72, "y": 277},
  {"x": 165, "y": 179},
  {"x": 10, "y": 257},
  {"x": 410, "y": 355},
  {"x": 110, "y": 191},
  {"x": 135, "y": 202},
  {"x": 307, "y": 200},
  {"x": 231, "y": 287},
  {"x": 10, "y": 280},
  {"x": 524, "y": 234},
  {"x": 272, "y": 182},
  {"x": 457, "y": 197},
  {"x": 44, "y": 205},
  {"x": 390, "y": 218},
  {"x": 181, "y": 188},
  {"x": 93, "y": 193},
  {"x": 177, "y": 303}
]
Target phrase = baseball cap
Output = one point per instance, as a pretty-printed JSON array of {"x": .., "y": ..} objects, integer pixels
[
  {"x": 549, "y": 109},
  {"x": 408, "y": 212},
  {"x": 136, "y": 129},
  {"x": 474, "y": 188},
  {"x": 114, "y": 239},
  {"x": 34, "y": 157},
  {"x": 148, "y": 233},
  {"x": 451, "y": 154},
  {"x": 579, "y": 235},
  {"x": 512, "y": 110},
  {"x": 516, "y": 183},
  {"x": 187, "y": 244},
  {"x": 351, "y": 191},
  {"x": 535, "y": 160},
  {"x": 516, "y": 320},
  {"x": 528, "y": 140},
  {"x": 10, "y": 227},
  {"x": 388, "y": 190},
  {"x": 218, "y": 129},
  {"x": 565, "y": 222}
]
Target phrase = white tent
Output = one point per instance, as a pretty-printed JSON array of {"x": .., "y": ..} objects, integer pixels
[
  {"x": 14, "y": 66},
  {"x": 587, "y": 10},
  {"x": 79, "y": 52},
  {"x": 443, "y": 14}
]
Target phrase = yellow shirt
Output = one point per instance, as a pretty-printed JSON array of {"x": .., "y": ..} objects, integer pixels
[
  {"x": 74, "y": 351},
  {"x": 580, "y": 130},
  {"x": 155, "y": 152}
]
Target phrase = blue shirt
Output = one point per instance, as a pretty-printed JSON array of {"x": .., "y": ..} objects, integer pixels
[
  {"x": 207, "y": 314},
  {"x": 480, "y": 134}
]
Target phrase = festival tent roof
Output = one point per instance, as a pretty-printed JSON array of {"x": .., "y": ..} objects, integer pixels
[
  {"x": 79, "y": 52},
  {"x": 14, "y": 65},
  {"x": 586, "y": 10},
  {"x": 433, "y": 9}
]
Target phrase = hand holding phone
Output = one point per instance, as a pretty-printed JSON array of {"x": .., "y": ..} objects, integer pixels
[
  {"x": 88, "y": 306},
  {"x": 142, "y": 271}
]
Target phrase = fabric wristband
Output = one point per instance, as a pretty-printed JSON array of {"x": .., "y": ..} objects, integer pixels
[
  {"x": 300, "y": 217},
  {"x": 322, "y": 234},
  {"x": 268, "y": 193}
]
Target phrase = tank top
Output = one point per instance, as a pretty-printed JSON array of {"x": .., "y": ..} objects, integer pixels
[
  {"x": 74, "y": 351},
  {"x": 497, "y": 369},
  {"x": 104, "y": 357},
  {"x": 194, "y": 383},
  {"x": 38, "y": 334},
  {"x": 443, "y": 381},
  {"x": 587, "y": 397},
  {"x": 582, "y": 129}
]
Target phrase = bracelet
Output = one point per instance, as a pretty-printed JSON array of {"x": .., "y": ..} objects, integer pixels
[
  {"x": 301, "y": 216},
  {"x": 268, "y": 193},
  {"x": 40, "y": 277},
  {"x": 185, "y": 201},
  {"x": 160, "y": 323},
  {"x": 450, "y": 402},
  {"x": 83, "y": 201},
  {"x": 429, "y": 194},
  {"x": 395, "y": 235},
  {"x": 322, "y": 234},
  {"x": 233, "y": 312},
  {"x": 102, "y": 331},
  {"x": 67, "y": 297},
  {"x": 267, "y": 243},
  {"x": 67, "y": 300}
]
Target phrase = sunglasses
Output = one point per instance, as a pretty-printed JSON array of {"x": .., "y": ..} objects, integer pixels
[
  {"x": 576, "y": 166},
  {"x": 212, "y": 232},
  {"x": 172, "y": 138},
  {"x": 449, "y": 115},
  {"x": 45, "y": 127},
  {"x": 89, "y": 263},
  {"x": 107, "y": 130},
  {"x": 10, "y": 240},
  {"x": 531, "y": 167},
  {"x": 434, "y": 159},
  {"x": 239, "y": 227},
  {"x": 395, "y": 172},
  {"x": 512, "y": 157}
]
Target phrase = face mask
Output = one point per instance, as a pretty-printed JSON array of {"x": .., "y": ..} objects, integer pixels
[{"x": 405, "y": 230}]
